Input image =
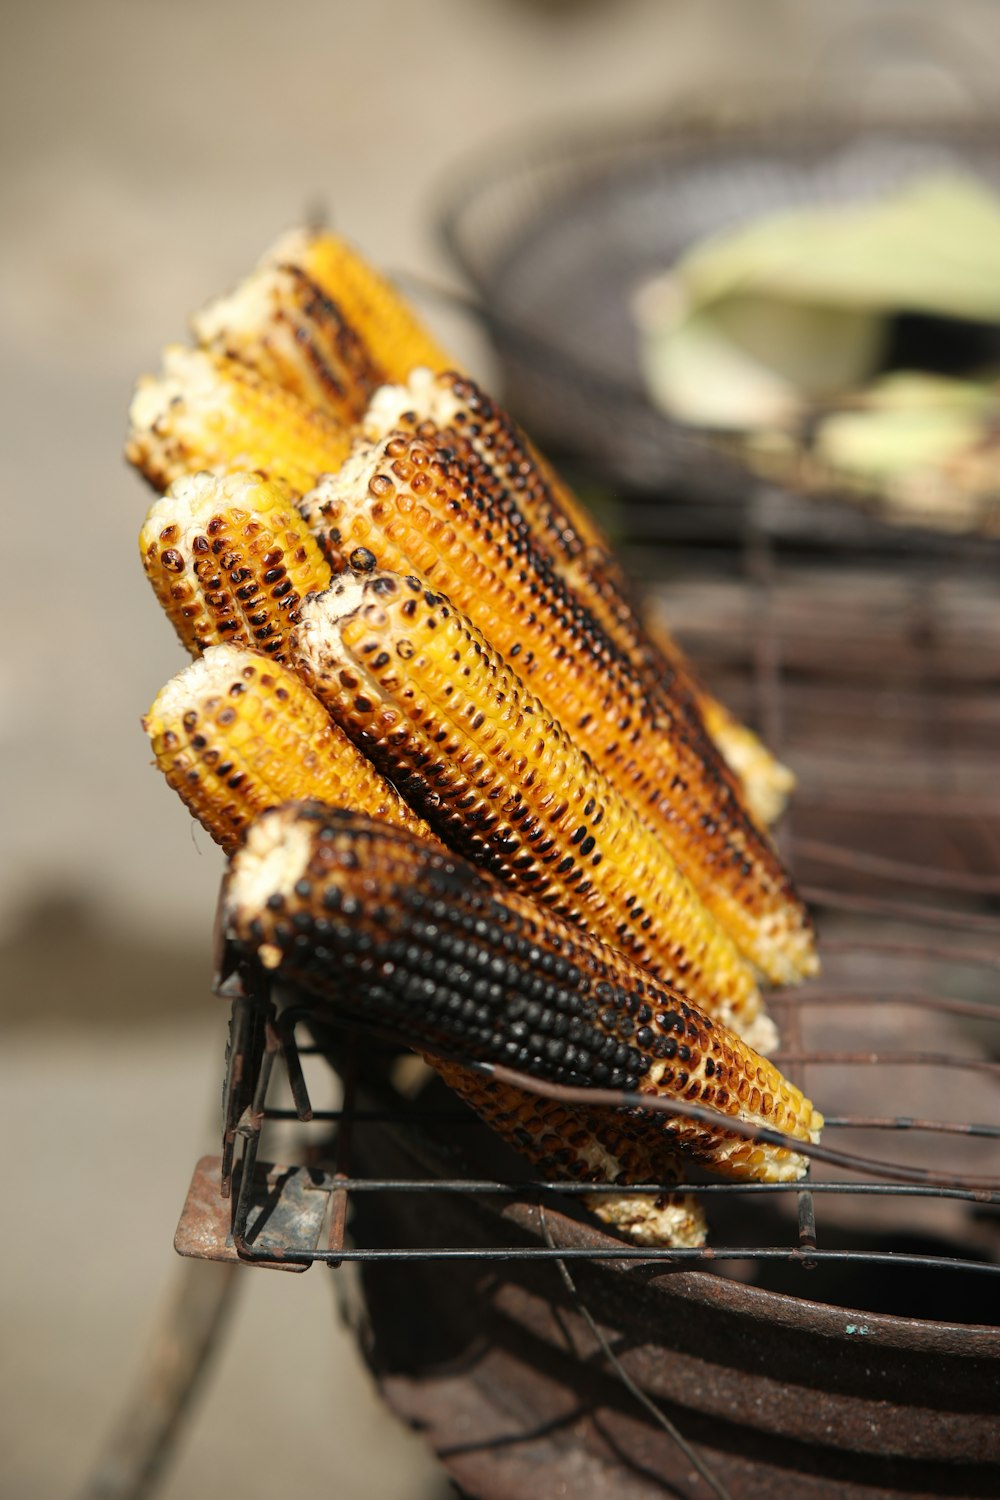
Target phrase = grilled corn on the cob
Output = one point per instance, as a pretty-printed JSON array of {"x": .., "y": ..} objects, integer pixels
[
  {"x": 420, "y": 944},
  {"x": 419, "y": 689},
  {"x": 230, "y": 559},
  {"x": 207, "y": 411},
  {"x": 235, "y": 733}
]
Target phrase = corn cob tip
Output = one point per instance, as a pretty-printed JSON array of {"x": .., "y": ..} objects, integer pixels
[
  {"x": 393, "y": 337},
  {"x": 227, "y": 321},
  {"x": 152, "y": 398},
  {"x": 208, "y": 411},
  {"x": 198, "y": 495},
  {"x": 348, "y": 594},
  {"x": 215, "y": 671},
  {"x": 673, "y": 1219},
  {"x": 282, "y": 324},
  {"x": 423, "y": 397},
  {"x": 236, "y": 732},
  {"x": 230, "y": 559}
]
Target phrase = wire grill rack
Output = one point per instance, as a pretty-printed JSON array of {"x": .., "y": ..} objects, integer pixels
[
  {"x": 265, "y": 1029},
  {"x": 855, "y": 1315}
]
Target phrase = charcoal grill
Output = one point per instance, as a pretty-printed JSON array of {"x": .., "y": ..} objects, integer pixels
[{"x": 842, "y": 1337}]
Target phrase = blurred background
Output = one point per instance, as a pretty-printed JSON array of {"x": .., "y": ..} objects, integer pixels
[{"x": 151, "y": 153}]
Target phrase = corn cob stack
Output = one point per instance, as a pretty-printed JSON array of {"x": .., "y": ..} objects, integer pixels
[
  {"x": 441, "y": 486},
  {"x": 236, "y": 735},
  {"x": 374, "y": 922},
  {"x": 316, "y": 323}
]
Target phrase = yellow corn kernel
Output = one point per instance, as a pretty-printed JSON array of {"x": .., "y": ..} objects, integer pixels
[
  {"x": 210, "y": 412},
  {"x": 230, "y": 559},
  {"x": 236, "y": 733}
]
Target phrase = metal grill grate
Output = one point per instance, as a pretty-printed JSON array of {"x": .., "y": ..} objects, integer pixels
[{"x": 264, "y": 1030}]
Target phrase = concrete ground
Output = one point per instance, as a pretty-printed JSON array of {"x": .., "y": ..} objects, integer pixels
[{"x": 150, "y": 152}]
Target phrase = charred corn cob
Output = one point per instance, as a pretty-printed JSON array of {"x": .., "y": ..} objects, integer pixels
[
  {"x": 281, "y": 323},
  {"x": 406, "y": 504},
  {"x": 383, "y": 321},
  {"x": 235, "y": 733},
  {"x": 230, "y": 559},
  {"x": 418, "y": 943},
  {"x": 209, "y": 412},
  {"x": 420, "y": 690}
]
